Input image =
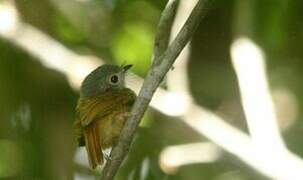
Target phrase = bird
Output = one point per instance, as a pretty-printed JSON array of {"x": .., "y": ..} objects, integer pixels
[{"x": 102, "y": 110}]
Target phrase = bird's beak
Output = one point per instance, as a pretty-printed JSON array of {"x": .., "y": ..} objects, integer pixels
[{"x": 126, "y": 67}]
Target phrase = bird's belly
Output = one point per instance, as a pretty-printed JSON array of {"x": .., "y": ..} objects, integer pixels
[{"x": 110, "y": 128}]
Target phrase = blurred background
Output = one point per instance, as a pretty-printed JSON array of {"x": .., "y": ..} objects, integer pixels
[{"x": 48, "y": 46}]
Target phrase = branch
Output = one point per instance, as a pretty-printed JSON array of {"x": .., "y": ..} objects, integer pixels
[
  {"x": 172, "y": 157},
  {"x": 274, "y": 164},
  {"x": 249, "y": 63},
  {"x": 151, "y": 83},
  {"x": 164, "y": 30}
]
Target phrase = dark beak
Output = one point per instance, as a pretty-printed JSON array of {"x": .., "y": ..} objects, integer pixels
[{"x": 126, "y": 67}]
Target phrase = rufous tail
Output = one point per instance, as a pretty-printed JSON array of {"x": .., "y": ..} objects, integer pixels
[{"x": 93, "y": 146}]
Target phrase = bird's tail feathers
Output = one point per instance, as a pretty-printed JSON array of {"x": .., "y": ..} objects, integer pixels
[{"x": 93, "y": 146}]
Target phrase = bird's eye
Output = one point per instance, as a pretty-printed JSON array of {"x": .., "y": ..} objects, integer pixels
[{"x": 114, "y": 79}]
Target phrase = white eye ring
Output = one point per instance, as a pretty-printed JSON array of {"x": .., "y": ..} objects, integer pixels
[{"x": 114, "y": 79}]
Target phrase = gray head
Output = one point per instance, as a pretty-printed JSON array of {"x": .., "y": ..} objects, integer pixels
[{"x": 104, "y": 78}]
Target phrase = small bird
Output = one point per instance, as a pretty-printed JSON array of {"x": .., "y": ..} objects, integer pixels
[{"x": 102, "y": 109}]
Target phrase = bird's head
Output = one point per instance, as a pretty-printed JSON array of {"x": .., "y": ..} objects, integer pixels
[{"x": 104, "y": 78}]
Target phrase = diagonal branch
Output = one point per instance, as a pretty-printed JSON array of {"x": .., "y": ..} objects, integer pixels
[
  {"x": 164, "y": 30},
  {"x": 151, "y": 83}
]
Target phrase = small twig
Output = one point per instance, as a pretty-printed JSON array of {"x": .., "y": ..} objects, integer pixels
[
  {"x": 151, "y": 83},
  {"x": 164, "y": 30}
]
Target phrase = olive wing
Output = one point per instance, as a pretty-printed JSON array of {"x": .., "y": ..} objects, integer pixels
[{"x": 89, "y": 109}]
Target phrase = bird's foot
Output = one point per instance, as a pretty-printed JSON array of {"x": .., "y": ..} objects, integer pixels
[{"x": 107, "y": 157}]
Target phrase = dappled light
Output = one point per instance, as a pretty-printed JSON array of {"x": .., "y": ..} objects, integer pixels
[{"x": 45, "y": 54}]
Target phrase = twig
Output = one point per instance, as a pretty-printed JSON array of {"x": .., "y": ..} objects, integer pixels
[
  {"x": 151, "y": 83},
  {"x": 164, "y": 30}
]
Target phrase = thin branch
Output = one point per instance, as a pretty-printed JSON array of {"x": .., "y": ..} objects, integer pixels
[
  {"x": 248, "y": 60},
  {"x": 151, "y": 83},
  {"x": 172, "y": 157},
  {"x": 177, "y": 80},
  {"x": 164, "y": 30}
]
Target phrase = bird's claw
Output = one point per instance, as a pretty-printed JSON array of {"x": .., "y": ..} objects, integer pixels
[{"x": 107, "y": 157}]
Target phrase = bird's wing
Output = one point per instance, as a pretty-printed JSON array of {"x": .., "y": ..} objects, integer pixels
[
  {"x": 95, "y": 108},
  {"x": 90, "y": 113},
  {"x": 88, "y": 110}
]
